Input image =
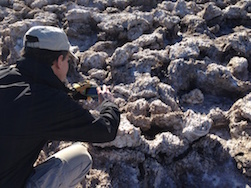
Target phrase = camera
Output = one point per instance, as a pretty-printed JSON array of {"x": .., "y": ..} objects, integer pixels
[
  {"x": 84, "y": 91},
  {"x": 91, "y": 92}
]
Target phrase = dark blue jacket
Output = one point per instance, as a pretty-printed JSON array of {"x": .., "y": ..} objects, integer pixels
[{"x": 35, "y": 108}]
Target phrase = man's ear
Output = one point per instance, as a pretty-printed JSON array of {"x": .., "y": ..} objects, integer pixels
[{"x": 59, "y": 62}]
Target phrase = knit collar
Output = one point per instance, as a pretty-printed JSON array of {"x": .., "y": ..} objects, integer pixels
[{"x": 38, "y": 72}]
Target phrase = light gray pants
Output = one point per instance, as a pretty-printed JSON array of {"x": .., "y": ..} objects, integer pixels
[{"x": 65, "y": 168}]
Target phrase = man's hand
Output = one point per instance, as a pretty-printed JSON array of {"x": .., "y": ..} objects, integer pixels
[{"x": 104, "y": 94}]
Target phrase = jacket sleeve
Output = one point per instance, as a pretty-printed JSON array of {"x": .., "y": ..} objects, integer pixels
[
  {"x": 109, "y": 118},
  {"x": 65, "y": 119}
]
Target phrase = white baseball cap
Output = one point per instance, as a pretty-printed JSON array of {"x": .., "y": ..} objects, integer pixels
[{"x": 48, "y": 38}]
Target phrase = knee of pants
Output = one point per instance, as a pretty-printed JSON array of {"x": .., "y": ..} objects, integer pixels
[
  {"x": 68, "y": 166},
  {"x": 81, "y": 161},
  {"x": 75, "y": 155},
  {"x": 87, "y": 158}
]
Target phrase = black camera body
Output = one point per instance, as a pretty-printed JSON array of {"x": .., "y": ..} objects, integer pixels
[{"x": 84, "y": 91}]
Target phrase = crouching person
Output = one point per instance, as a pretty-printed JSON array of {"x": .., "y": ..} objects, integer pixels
[{"x": 36, "y": 108}]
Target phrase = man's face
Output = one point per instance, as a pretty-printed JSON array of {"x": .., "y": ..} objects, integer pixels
[
  {"x": 60, "y": 67},
  {"x": 65, "y": 67}
]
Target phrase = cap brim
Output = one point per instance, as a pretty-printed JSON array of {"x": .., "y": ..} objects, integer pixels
[{"x": 73, "y": 56}]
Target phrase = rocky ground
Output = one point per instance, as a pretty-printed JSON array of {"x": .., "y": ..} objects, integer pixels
[{"x": 180, "y": 73}]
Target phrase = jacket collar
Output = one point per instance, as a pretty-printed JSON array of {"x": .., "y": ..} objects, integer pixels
[{"x": 37, "y": 72}]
